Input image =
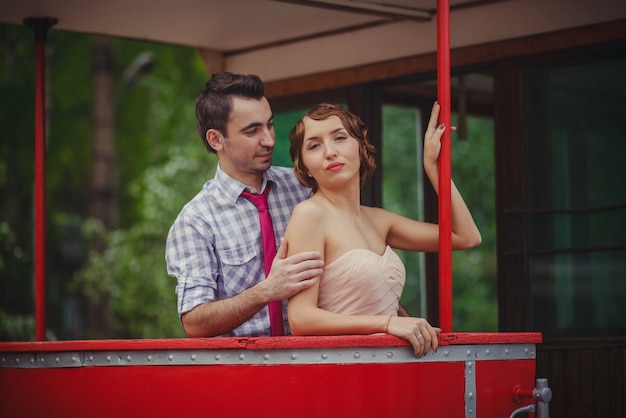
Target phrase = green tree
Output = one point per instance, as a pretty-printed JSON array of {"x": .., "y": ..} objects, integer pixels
[
  {"x": 162, "y": 164},
  {"x": 155, "y": 132},
  {"x": 16, "y": 181}
]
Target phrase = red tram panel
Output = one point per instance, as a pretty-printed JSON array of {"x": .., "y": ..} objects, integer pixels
[{"x": 471, "y": 375}]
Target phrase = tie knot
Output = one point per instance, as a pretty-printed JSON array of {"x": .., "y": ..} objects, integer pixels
[{"x": 259, "y": 200}]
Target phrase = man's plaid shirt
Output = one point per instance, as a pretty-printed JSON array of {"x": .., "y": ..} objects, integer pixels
[{"x": 214, "y": 247}]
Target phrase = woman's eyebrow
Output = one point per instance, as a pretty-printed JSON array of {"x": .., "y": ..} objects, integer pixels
[{"x": 334, "y": 131}]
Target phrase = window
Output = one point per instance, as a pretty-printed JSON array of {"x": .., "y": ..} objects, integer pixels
[{"x": 576, "y": 199}]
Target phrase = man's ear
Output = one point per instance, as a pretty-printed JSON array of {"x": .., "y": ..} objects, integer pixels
[{"x": 215, "y": 139}]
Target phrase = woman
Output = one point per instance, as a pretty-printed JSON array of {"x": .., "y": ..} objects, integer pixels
[{"x": 360, "y": 288}]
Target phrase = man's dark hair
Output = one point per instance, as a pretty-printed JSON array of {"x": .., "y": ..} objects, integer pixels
[{"x": 214, "y": 103}]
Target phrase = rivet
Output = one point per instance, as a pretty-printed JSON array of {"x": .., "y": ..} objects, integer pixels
[
  {"x": 150, "y": 358},
  {"x": 73, "y": 359},
  {"x": 217, "y": 357},
  {"x": 389, "y": 354},
  {"x": 170, "y": 357},
  {"x": 324, "y": 356},
  {"x": 357, "y": 355},
  {"x": 42, "y": 360},
  {"x": 242, "y": 356},
  {"x": 526, "y": 350},
  {"x": 446, "y": 353},
  {"x": 294, "y": 356},
  {"x": 32, "y": 361},
  {"x": 17, "y": 360},
  {"x": 128, "y": 358},
  {"x": 108, "y": 359},
  {"x": 487, "y": 352},
  {"x": 469, "y": 353},
  {"x": 507, "y": 351},
  {"x": 193, "y": 357},
  {"x": 470, "y": 395},
  {"x": 266, "y": 356},
  {"x": 470, "y": 364},
  {"x": 57, "y": 360},
  {"x": 90, "y": 358}
]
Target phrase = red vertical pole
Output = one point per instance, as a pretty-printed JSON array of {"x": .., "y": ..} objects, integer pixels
[
  {"x": 445, "y": 207},
  {"x": 40, "y": 27}
]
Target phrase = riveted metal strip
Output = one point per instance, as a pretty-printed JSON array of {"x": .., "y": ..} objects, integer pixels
[
  {"x": 41, "y": 360},
  {"x": 347, "y": 355},
  {"x": 470, "y": 389}
]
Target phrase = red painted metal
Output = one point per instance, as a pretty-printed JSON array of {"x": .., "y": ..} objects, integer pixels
[
  {"x": 40, "y": 190},
  {"x": 361, "y": 390},
  {"x": 519, "y": 394},
  {"x": 402, "y": 389},
  {"x": 267, "y": 343},
  {"x": 445, "y": 208},
  {"x": 495, "y": 384},
  {"x": 40, "y": 28}
]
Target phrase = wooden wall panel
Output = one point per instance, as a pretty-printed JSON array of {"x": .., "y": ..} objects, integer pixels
[{"x": 586, "y": 382}]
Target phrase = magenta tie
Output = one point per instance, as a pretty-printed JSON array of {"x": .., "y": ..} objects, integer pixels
[{"x": 269, "y": 252}]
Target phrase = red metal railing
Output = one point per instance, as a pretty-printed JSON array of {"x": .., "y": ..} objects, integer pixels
[
  {"x": 40, "y": 28},
  {"x": 445, "y": 208}
]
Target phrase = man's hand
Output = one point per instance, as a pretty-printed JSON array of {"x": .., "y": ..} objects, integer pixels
[{"x": 290, "y": 275}]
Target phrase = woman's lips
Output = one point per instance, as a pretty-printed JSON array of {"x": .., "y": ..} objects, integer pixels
[{"x": 334, "y": 166}]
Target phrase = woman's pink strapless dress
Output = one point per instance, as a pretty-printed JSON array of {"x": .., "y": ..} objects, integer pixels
[{"x": 361, "y": 282}]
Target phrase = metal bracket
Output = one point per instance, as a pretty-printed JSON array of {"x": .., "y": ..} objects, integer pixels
[{"x": 541, "y": 394}]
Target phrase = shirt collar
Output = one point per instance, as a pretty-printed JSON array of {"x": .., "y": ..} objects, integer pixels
[{"x": 231, "y": 189}]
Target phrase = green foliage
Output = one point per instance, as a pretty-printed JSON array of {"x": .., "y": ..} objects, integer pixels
[
  {"x": 160, "y": 165},
  {"x": 19, "y": 328},
  {"x": 474, "y": 271},
  {"x": 16, "y": 169},
  {"x": 132, "y": 271},
  {"x": 163, "y": 165},
  {"x": 16, "y": 327}
]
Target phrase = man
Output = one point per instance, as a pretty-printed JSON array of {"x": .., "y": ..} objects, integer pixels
[{"x": 214, "y": 247}]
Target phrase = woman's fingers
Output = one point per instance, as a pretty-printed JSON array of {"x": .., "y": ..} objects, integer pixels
[
  {"x": 425, "y": 340},
  {"x": 434, "y": 114},
  {"x": 418, "y": 332}
]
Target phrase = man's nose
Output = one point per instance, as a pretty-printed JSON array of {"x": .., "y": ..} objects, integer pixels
[{"x": 268, "y": 138}]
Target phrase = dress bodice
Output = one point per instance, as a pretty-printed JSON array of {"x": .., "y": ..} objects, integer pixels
[{"x": 362, "y": 282}]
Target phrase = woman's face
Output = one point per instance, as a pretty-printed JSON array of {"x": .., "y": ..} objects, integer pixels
[{"x": 330, "y": 155}]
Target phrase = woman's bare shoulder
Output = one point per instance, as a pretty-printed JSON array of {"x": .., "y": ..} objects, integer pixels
[
  {"x": 305, "y": 227},
  {"x": 309, "y": 208}
]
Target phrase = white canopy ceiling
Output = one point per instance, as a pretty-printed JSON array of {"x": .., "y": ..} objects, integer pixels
[{"x": 288, "y": 38}]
